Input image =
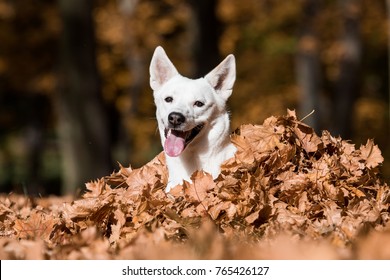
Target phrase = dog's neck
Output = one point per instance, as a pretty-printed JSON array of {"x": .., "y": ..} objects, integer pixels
[{"x": 216, "y": 140}]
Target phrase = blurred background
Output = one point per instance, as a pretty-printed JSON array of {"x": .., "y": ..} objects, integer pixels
[{"x": 74, "y": 83}]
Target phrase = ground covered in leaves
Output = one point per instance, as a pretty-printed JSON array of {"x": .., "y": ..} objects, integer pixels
[{"x": 287, "y": 194}]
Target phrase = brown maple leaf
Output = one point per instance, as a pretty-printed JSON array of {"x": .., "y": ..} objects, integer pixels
[
  {"x": 118, "y": 179},
  {"x": 371, "y": 154},
  {"x": 244, "y": 154},
  {"x": 216, "y": 210},
  {"x": 153, "y": 173},
  {"x": 263, "y": 138},
  {"x": 120, "y": 219},
  {"x": 95, "y": 188},
  {"x": 201, "y": 183},
  {"x": 307, "y": 137},
  {"x": 37, "y": 225}
]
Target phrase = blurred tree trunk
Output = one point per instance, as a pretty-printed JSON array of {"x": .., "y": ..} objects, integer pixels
[
  {"x": 206, "y": 30},
  {"x": 34, "y": 142},
  {"x": 308, "y": 65},
  {"x": 388, "y": 54},
  {"x": 347, "y": 85},
  {"x": 135, "y": 61},
  {"x": 83, "y": 124}
]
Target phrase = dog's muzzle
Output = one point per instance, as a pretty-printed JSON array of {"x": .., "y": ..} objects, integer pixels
[{"x": 176, "y": 140}]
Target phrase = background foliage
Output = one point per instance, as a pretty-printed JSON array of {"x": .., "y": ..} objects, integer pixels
[{"x": 265, "y": 36}]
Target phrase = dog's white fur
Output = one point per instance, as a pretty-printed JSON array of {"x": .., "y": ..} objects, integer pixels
[{"x": 200, "y": 102}]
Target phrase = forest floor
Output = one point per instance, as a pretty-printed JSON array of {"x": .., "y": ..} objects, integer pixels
[{"x": 288, "y": 194}]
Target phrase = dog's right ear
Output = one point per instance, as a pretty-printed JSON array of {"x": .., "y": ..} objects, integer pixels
[{"x": 161, "y": 69}]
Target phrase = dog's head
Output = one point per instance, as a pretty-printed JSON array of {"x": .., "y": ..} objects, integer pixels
[{"x": 185, "y": 106}]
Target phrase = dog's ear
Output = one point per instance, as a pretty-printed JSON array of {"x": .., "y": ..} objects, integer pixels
[
  {"x": 161, "y": 69},
  {"x": 223, "y": 76}
]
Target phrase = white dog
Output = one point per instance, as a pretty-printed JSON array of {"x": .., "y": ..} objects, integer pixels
[{"x": 192, "y": 117}]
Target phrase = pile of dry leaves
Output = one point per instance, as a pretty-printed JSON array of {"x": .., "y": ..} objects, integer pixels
[{"x": 288, "y": 193}]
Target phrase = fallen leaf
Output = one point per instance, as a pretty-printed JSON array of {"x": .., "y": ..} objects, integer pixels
[{"x": 371, "y": 154}]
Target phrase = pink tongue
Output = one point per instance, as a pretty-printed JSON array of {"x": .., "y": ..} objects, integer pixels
[{"x": 174, "y": 145}]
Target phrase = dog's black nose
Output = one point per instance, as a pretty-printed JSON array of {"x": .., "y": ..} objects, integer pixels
[{"x": 176, "y": 119}]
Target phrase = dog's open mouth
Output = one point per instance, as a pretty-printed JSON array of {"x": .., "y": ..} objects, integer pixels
[{"x": 177, "y": 140}]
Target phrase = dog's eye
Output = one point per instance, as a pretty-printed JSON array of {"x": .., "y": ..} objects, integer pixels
[
  {"x": 198, "y": 104},
  {"x": 168, "y": 99}
]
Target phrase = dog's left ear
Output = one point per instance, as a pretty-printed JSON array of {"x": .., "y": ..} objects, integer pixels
[
  {"x": 161, "y": 69},
  {"x": 222, "y": 77}
]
